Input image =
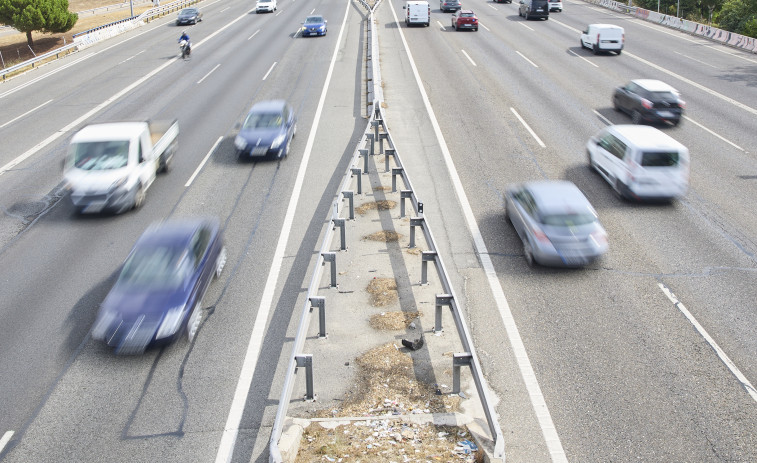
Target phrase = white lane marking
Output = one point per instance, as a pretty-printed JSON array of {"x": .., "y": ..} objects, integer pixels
[
  {"x": 25, "y": 114},
  {"x": 570, "y": 28},
  {"x": 576, "y": 54},
  {"x": 723, "y": 356},
  {"x": 312, "y": 11},
  {"x": 528, "y": 127},
  {"x": 484, "y": 27},
  {"x": 30, "y": 152},
  {"x": 209, "y": 73},
  {"x": 202, "y": 164},
  {"x": 224, "y": 9},
  {"x": 606, "y": 120},
  {"x": 551, "y": 438},
  {"x": 492, "y": 7},
  {"x": 278, "y": 13},
  {"x": 441, "y": 25},
  {"x": 4, "y": 441},
  {"x": 253, "y": 35},
  {"x": 525, "y": 26},
  {"x": 694, "y": 59},
  {"x": 469, "y": 58},
  {"x": 231, "y": 428},
  {"x": 725, "y": 52},
  {"x": 713, "y": 133},
  {"x": 131, "y": 57},
  {"x": 524, "y": 57},
  {"x": 269, "y": 70}
]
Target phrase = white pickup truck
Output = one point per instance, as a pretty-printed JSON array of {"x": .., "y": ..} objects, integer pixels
[{"x": 110, "y": 166}]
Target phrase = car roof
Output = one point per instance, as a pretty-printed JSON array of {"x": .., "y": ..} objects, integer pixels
[
  {"x": 557, "y": 196},
  {"x": 646, "y": 137},
  {"x": 106, "y": 131},
  {"x": 467, "y": 11},
  {"x": 605, "y": 26},
  {"x": 268, "y": 105},
  {"x": 654, "y": 85},
  {"x": 176, "y": 232}
]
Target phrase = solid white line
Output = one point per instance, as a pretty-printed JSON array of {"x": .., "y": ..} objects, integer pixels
[
  {"x": 269, "y": 70},
  {"x": 6, "y": 438},
  {"x": 576, "y": 54},
  {"x": 441, "y": 25},
  {"x": 26, "y": 113},
  {"x": 723, "y": 356},
  {"x": 30, "y": 152},
  {"x": 253, "y": 35},
  {"x": 730, "y": 54},
  {"x": 484, "y": 27},
  {"x": 533, "y": 134},
  {"x": 551, "y": 438},
  {"x": 231, "y": 429},
  {"x": 694, "y": 59},
  {"x": 606, "y": 120},
  {"x": 202, "y": 164},
  {"x": 492, "y": 7},
  {"x": 524, "y": 57},
  {"x": 525, "y": 26},
  {"x": 469, "y": 58},
  {"x": 209, "y": 73},
  {"x": 713, "y": 133}
]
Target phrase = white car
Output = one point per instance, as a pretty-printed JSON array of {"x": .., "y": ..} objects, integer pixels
[
  {"x": 603, "y": 37},
  {"x": 265, "y": 6},
  {"x": 555, "y": 5}
]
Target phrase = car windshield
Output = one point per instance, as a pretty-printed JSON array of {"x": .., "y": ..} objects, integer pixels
[
  {"x": 466, "y": 15},
  {"x": 568, "y": 220},
  {"x": 188, "y": 11},
  {"x": 663, "y": 96},
  {"x": 100, "y": 155},
  {"x": 659, "y": 159},
  {"x": 157, "y": 267},
  {"x": 314, "y": 20},
  {"x": 263, "y": 121}
]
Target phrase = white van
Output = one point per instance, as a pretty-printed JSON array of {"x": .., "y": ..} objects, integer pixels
[
  {"x": 640, "y": 162},
  {"x": 417, "y": 12},
  {"x": 603, "y": 37}
]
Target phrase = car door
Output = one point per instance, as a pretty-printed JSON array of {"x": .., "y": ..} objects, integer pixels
[
  {"x": 519, "y": 212},
  {"x": 147, "y": 163}
]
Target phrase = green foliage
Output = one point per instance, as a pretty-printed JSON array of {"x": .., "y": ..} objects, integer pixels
[
  {"x": 37, "y": 15},
  {"x": 738, "y": 16}
]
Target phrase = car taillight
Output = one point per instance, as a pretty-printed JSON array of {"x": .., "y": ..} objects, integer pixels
[
  {"x": 597, "y": 39},
  {"x": 646, "y": 103},
  {"x": 681, "y": 104},
  {"x": 623, "y": 38},
  {"x": 599, "y": 238},
  {"x": 540, "y": 236}
]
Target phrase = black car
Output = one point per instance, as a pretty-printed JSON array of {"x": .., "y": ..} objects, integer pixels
[
  {"x": 534, "y": 9},
  {"x": 189, "y": 16},
  {"x": 158, "y": 295},
  {"x": 648, "y": 100},
  {"x": 449, "y": 5}
]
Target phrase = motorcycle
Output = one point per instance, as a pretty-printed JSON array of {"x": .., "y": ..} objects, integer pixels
[{"x": 185, "y": 48}]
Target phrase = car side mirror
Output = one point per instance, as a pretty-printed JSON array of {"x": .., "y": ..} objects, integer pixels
[{"x": 403, "y": 7}]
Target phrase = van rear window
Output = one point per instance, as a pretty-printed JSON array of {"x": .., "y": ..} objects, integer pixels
[{"x": 659, "y": 159}]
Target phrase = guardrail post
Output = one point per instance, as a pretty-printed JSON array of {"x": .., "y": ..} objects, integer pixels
[
  {"x": 404, "y": 194},
  {"x": 426, "y": 257},
  {"x": 320, "y": 302},
  {"x": 389, "y": 152},
  {"x": 331, "y": 258},
  {"x": 372, "y": 139},
  {"x": 358, "y": 172},
  {"x": 340, "y": 223},
  {"x": 375, "y": 125},
  {"x": 395, "y": 172},
  {"x": 441, "y": 299},
  {"x": 381, "y": 138},
  {"x": 306, "y": 360},
  {"x": 351, "y": 198},
  {"x": 459, "y": 360},
  {"x": 414, "y": 222},
  {"x": 364, "y": 153}
]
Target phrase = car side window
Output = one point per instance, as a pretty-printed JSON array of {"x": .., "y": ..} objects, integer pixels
[
  {"x": 200, "y": 242},
  {"x": 140, "y": 156},
  {"x": 616, "y": 147}
]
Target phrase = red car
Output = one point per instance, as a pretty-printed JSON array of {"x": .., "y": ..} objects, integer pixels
[{"x": 465, "y": 19}]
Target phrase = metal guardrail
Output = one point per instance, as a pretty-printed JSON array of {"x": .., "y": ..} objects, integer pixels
[
  {"x": 33, "y": 61},
  {"x": 449, "y": 298}
]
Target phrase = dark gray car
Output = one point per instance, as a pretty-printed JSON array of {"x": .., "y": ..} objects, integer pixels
[
  {"x": 189, "y": 16},
  {"x": 530, "y": 9},
  {"x": 556, "y": 223}
]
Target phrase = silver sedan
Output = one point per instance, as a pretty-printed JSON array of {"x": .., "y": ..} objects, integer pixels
[{"x": 556, "y": 223}]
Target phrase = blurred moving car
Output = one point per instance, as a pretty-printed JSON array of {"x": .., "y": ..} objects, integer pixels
[
  {"x": 268, "y": 129},
  {"x": 649, "y": 100},
  {"x": 314, "y": 25},
  {"x": 417, "y": 12},
  {"x": 502, "y": 1},
  {"x": 265, "y": 6},
  {"x": 464, "y": 19},
  {"x": 449, "y": 5},
  {"x": 158, "y": 295},
  {"x": 555, "y": 5},
  {"x": 189, "y": 16},
  {"x": 603, "y": 37},
  {"x": 530, "y": 9},
  {"x": 556, "y": 223},
  {"x": 640, "y": 162}
]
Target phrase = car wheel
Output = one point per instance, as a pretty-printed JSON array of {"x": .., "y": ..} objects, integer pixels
[
  {"x": 596, "y": 49},
  {"x": 618, "y": 52},
  {"x": 221, "y": 262},
  {"x": 591, "y": 160},
  {"x": 139, "y": 197},
  {"x": 525, "y": 15},
  {"x": 528, "y": 253},
  {"x": 520, "y": 13},
  {"x": 193, "y": 324},
  {"x": 294, "y": 130},
  {"x": 286, "y": 150},
  {"x": 620, "y": 189},
  {"x": 636, "y": 117},
  {"x": 615, "y": 105},
  {"x": 676, "y": 121},
  {"x": 476, "y": 29}
]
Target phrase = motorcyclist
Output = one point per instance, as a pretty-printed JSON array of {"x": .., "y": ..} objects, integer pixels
[{"x": 185, "y": 36}]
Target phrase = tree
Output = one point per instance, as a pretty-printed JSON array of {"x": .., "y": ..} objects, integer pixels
[
  {"x": 37, "y": 15},
  {"x": 738, "y": 16}
]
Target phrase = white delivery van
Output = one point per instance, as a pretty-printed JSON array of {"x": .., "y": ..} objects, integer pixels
[
  {"x": 417, "y": 12},
  {"x": 603, "y": 37},
  {"x": 640, "y": 162}
]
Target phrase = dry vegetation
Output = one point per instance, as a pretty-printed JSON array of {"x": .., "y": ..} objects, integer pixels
[
  {"x": 383, "y": 205},
  {"x": 393, "y": 320},
  {"x": 384, "y": 235},
  {"x": 382, "y": 291}
]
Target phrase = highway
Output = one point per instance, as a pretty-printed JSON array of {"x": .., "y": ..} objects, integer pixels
[{"x": 647, "y": 355}]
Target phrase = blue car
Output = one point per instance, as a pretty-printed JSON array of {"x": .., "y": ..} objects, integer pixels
[
  {"x": 267, "y": 130},
  {"x": 314, "y": 25},
  {"x": 158, "y": 295}
]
